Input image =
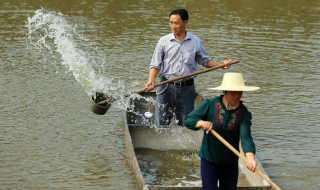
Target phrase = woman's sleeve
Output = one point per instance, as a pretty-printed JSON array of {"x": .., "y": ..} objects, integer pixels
[
  {"x": 199, "y": 113},
  {"x": 247, "y": 142}
]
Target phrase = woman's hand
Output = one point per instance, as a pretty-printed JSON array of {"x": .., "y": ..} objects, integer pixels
[
  {"x": 252, "y": 163},
  {"x": 206, "y": 125}
]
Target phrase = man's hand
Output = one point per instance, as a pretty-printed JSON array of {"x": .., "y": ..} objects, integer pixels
[
  {"x": 149, "y": 86},
  {"x": 227, "y": 64},
  {"x": 153, "y": 72}
]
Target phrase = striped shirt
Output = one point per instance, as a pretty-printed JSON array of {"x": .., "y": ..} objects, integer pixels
[{"x": 174, "y": 59}]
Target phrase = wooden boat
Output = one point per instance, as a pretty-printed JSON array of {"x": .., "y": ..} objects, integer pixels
[{"x": 177, "y": 144}]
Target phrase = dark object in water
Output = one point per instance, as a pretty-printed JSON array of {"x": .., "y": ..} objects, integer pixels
[{"x": 99, "y": 109}]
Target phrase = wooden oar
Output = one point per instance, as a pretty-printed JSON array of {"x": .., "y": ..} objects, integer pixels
[
  {"x": 243, "y": 158},
  {"x": 109, "y": 100}
]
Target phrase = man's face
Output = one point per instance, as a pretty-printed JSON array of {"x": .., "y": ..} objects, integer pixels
[{"x": 177, "y": 25}]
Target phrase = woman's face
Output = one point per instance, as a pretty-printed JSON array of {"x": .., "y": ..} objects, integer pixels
[{"x": 233, "y": 97}]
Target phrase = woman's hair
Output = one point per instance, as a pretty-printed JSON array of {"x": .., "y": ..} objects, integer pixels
[{"x": 182, "y": 12}]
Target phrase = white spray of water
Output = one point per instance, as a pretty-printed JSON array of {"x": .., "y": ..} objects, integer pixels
[
  {"x": 52, "y": 36},
  {"x": 54, "y": 39}
]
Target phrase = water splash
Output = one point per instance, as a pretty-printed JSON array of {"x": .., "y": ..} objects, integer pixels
[{"x": 54, "y": 38}]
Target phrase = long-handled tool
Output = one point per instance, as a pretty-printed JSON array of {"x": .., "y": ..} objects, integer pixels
[
  {"x": 102, "y": 102},
  {"x": 243, "y": 158}
]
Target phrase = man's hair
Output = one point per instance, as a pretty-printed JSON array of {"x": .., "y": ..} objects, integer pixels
[{"x": 182, "y": 12}]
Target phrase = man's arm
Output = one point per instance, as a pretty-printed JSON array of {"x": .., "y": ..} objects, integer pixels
[
  {"x": 227, "y": 64},
  {"x": 153, "y": 72}
]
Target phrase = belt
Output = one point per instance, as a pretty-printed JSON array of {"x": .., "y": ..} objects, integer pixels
[{"x": 189, "y": 82}]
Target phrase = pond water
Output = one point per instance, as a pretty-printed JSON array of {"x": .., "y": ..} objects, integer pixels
[{"x": 50, "y": 139}]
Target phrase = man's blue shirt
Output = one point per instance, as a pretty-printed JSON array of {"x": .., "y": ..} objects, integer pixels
[{"x": 174, "y": 59}]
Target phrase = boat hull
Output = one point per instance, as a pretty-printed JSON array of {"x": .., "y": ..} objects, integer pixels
[{"x": 139, "y": 132}]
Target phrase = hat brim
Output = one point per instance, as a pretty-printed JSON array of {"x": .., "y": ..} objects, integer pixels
[{"x": 240, "y": 88}]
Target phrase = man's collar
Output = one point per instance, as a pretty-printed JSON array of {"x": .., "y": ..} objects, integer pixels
[{"x": 187, "y": 37}]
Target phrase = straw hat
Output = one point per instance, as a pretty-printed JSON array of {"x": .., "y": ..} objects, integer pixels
[{"x": 234, "y": 82}]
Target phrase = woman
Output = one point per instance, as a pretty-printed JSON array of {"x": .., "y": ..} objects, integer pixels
[{"x": 229, "y": 117}]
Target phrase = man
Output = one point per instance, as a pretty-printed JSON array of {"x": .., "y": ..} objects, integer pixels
[{"x": 176, "y": 54}]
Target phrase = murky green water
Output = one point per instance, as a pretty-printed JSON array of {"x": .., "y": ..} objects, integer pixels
[{"x": 49, "y": 139}]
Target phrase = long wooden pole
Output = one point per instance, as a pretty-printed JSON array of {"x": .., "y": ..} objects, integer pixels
[
  {"x": 243, "y": 158},
  {"x": 188, "y": 75},
  {"x": 171, "y": 80}
]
